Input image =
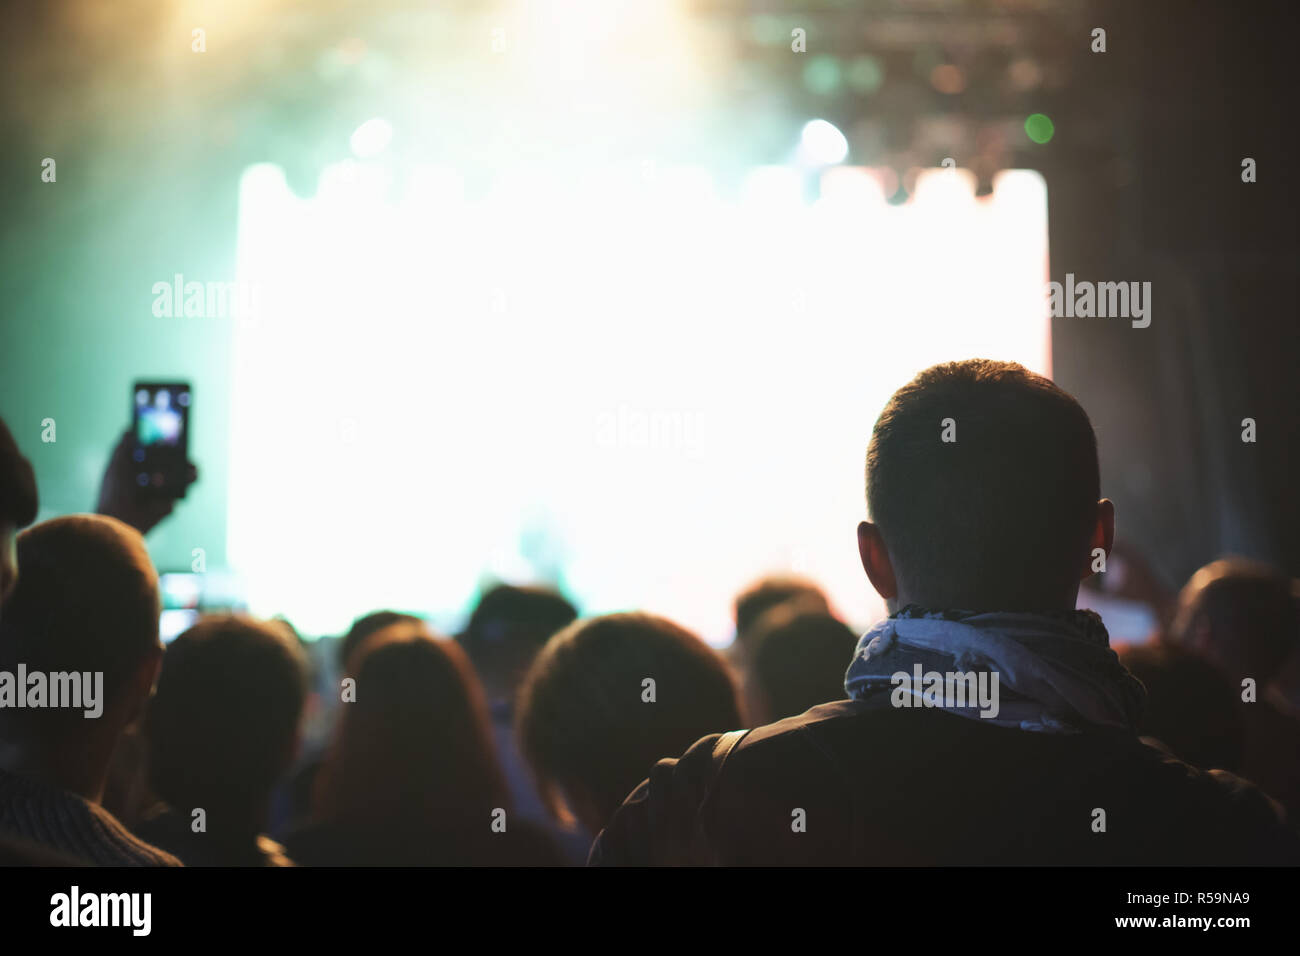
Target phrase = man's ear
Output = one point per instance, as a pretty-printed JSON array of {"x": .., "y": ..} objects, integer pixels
[
  {"x": 1103, "y": 535},
  {"x": 875, "y": 561}
]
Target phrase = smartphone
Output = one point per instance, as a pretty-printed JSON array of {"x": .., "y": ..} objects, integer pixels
[
  {"x": 160, "y": 431},
  {"x": 188, "y": 595},
  {"x": 181, "y": 595}
]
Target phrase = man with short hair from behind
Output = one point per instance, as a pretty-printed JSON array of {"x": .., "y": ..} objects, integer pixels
[
  {"x": 86, "y": 603},
  {"x": 799, "y": 658},
  {"x": 983, "y": 491},
  {"x": 221, "y": 732},
  {"x": 771, "y": 591},
  {"x": 1242, "y": 617},
  {"x": 610, "y": 695},
  {"x": 759, "y": 599}
]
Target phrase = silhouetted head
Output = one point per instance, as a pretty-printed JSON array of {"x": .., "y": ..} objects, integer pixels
[
  {"x": 86, "y": 602},
  {"x": 366, "y": 625},
  {"x": 982, "y": 486},
  {"x": 801, "y": 654},
  {"x": 414, "y": 748},
  {"x": 1190, "y": 707},
  {"x": 607, "y": 698},
  {"x": 509, "y": 625},
  {"x": 222, "y": 727},
  {"x": 1241, "y": 615},
  {"x": 768, "y": 592},
  {"x": 17, "y": 505}
]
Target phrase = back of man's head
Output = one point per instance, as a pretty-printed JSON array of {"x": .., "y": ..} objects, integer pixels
[
  {"x": 507, "y": 628},
  {"x": 223, "y": 724},
  {"x": 362, "y": 628},
  {"x": 769, "y": 592},
  {"x": 86, "y": 601},
  {"x": 17, "y": 504},
  {"x": 983, "y": 481},
  {"x": 608, "y": 697},
  {"x": 801, "y": 653},
  {"x": 1242, "y": 615}
]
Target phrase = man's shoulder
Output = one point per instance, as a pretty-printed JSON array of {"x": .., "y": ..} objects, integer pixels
[
  {"x": 831, "y": 737},
  {"x": 861, "y": 716},
  {"x": 811, "y": 737},
  {"x": 663, "y": 820},
  {"x": 68, "y": 823},
  {"x": 815, "y": 788},
  {"x": 121, "y": 847},
  {"x": 887, "y": 758}
]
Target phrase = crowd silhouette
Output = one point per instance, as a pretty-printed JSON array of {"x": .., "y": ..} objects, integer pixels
[{"x": 541, "y": 737}]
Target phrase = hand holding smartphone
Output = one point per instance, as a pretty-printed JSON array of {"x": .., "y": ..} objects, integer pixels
[
  {"x": 149, "y": 469},
  {"x": 160, "y": 416}
]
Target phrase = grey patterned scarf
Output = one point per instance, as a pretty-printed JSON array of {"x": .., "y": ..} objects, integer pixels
[{"x": 1055, "y": 673}]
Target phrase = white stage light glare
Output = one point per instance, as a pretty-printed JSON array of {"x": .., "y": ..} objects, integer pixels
[
  {"x": 445, "y": 386},
  {"x": 822, "y": 144},
  {"x": 371, "y": 138}
]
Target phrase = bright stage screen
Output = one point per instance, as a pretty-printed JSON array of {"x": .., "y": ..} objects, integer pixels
[{"x": 637, "y": 384}]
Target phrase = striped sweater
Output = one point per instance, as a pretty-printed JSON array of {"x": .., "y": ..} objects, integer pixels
[{"x": 70, "y": 824}]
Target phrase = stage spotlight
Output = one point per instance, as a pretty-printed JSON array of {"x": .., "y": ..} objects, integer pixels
[
  {"x": 821, "y": 144},
  {"x": 371, "y": 138}
]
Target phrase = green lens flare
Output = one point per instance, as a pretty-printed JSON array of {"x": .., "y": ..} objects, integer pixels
[
  {"x": 822, "y": 75},
  {"x": 1039, "y": 128}
]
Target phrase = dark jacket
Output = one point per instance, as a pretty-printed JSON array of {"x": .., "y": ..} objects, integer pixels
[{"x": 874, "y": 785}]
